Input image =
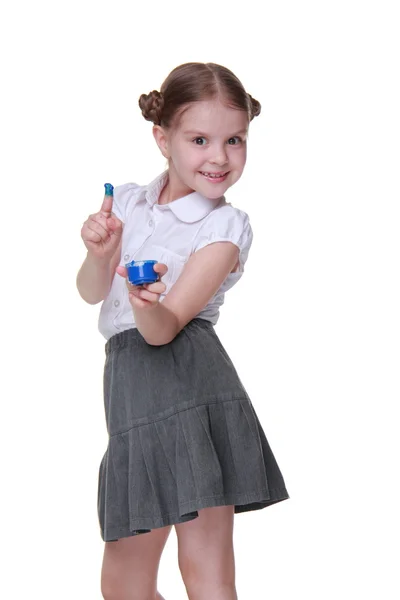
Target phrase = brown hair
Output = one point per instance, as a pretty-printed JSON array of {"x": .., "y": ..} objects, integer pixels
[{"x": 192, "y": 82}]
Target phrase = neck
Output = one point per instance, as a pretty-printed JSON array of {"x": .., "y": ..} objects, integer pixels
[{"x": 173, "y": 189}]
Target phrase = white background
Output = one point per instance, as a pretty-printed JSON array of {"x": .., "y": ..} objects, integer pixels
[{"x": 313, "y": 326}]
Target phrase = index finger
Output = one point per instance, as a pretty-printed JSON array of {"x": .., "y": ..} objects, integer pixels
[{"x": 106, "y": 206}]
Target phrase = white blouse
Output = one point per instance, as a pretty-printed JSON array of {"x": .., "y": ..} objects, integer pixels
[{"x": 170, "y": 233}]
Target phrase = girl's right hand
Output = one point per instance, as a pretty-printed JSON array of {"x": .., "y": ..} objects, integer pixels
[{"x": 102, "y": 231}]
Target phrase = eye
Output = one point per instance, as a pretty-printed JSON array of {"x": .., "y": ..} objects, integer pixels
[
  {"x": 234, "y": 141},
  {"x": 200, "y": 141}
]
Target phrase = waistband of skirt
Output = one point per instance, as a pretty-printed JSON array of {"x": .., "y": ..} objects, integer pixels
[{"x": 134, "y": 337}]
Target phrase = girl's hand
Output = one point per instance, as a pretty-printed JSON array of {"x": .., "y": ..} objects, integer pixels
[
  {"x": 102, "y": 231},
  {"x": 147, "y": 295}
]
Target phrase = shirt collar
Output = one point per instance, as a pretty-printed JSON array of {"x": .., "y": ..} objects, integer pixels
[{"x": 189, "y": 209}]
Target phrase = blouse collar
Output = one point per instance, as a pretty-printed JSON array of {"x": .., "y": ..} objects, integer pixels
[{"x": 189, "y": 209}]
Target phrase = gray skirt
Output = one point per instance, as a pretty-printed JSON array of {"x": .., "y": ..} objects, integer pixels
[{"x": 183, "y": 435}]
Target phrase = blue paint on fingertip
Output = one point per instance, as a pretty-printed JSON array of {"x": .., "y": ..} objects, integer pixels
[{"x": 109, "y": 189}]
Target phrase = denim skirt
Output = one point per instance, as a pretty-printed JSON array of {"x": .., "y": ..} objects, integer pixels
[{"x": 183, "y": 435}]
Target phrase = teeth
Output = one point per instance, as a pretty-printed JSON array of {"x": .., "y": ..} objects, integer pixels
[{"x": 213, "y": 175}]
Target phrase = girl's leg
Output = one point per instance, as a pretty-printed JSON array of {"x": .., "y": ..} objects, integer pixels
[
  {"x": 130, "y": 566},
  {"x": 206, "y": 555}
]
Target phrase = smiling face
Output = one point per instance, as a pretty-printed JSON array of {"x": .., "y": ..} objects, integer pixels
[{"x": 206, "y": 149}]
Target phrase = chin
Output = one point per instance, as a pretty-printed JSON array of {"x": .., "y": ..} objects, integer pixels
[
  {"x": 214, "y": 191},
  {"x": 216, "y": 194}
]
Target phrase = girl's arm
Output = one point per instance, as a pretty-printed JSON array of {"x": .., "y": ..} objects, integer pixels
[
  {"x": 200, "y": 280},
  {"x": 95, "y": 276},
  {"x": 101, "y": 234}
]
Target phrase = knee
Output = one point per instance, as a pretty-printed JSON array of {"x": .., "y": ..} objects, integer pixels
[
  {"x": 195, "y": 573},
  {"x": 206, "y": 575}
]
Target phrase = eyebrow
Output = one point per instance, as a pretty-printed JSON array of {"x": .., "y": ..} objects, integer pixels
[{"x": 200, "y": 134}]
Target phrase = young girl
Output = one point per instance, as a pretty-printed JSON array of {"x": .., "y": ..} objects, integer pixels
[{"x": 185, "y": 447}]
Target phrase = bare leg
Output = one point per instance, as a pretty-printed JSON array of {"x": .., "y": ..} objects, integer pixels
[
  {"x": 130, "y": 566},
  {"x": 206, "y": 555}
]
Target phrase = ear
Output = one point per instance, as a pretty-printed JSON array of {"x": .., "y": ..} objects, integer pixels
[{"x": 161, "y": 137}]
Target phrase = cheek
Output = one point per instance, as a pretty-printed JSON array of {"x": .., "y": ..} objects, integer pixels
[
  {"x": 239, "y": 158},
  {"x": 185, "y": 155},
  {"x": 193, "y": 159}
]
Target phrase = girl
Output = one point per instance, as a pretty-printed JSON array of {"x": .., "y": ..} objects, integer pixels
[{"x": 185, "y": 447}]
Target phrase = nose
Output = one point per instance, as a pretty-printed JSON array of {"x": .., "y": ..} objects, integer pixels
[{"x": 219, "y": 155}]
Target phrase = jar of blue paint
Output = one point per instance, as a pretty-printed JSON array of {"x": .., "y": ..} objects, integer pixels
[{"x": 141, "y": 271}]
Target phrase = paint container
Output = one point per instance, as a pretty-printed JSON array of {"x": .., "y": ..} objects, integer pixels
[{"x": 141, "y": 271}]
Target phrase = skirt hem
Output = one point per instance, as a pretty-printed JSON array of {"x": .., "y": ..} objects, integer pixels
[{"x": 188, "y": 511}]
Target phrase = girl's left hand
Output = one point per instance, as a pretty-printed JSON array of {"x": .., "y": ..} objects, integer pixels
[{"x": 148, "y": 294}]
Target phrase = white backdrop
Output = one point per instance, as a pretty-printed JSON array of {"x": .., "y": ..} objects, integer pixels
[{"x": 313, "y": 326}]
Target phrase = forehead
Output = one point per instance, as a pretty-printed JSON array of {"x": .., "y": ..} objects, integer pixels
[{"x": 213, "y": 116}]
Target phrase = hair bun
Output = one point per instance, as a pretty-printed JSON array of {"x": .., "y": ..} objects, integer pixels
[
  {"x": 151, "y": 106},
  {"x": 255, "y": 107}
]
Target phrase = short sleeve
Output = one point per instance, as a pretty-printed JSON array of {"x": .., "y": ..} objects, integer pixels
[
  {"x": 227, "y": 224},
  {"x": 124, "y": 196}
]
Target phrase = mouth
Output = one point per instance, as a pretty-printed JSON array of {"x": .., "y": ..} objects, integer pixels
[{"x": 214, "y": 177}]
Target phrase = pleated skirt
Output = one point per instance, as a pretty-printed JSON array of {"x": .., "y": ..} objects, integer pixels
[{"x": 183, "y": 435}]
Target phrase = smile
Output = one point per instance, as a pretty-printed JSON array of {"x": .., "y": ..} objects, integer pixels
[{"x": 215, "y": 177}]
